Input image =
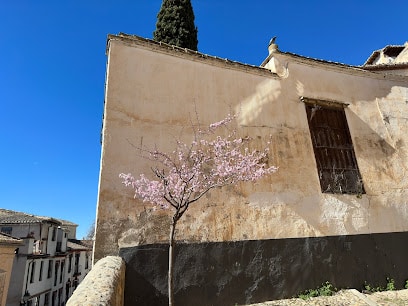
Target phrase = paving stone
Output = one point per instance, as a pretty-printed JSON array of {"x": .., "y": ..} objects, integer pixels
[{"x": 347, "y": 298}]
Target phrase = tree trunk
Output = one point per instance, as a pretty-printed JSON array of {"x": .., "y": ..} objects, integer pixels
[{"x": 171, "y": 254}]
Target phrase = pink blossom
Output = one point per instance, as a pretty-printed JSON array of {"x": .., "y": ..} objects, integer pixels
[{"x": 192, "y": 170}]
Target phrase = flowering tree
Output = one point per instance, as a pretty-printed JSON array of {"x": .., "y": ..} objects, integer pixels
[{"x": 191, "y": 170}]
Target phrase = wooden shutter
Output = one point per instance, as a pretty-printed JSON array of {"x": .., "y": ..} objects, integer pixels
[{"x": 336, "y": 162}]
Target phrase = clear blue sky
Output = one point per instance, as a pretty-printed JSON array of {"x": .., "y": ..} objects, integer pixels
[{"x": 52, "y": 72}]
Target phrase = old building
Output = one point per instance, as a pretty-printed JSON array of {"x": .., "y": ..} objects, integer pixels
[
  {"x": 8, "y": 246},
  {"x": 48, "y": 265},
  {"x": 335, "y": 211}
]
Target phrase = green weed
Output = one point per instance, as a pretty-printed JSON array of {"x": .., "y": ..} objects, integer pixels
[
  {"x": 326, "y": 289},
  {"x": 389, "y": 286}
]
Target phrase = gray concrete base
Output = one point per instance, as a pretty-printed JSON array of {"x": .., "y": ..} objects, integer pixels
[{"x": 245, "y": 272}]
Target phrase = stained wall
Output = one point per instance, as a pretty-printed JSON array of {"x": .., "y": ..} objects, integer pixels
[{"x": 154, "y": 92}]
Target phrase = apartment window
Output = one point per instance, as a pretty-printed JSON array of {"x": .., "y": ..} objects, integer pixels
[
  {"x": 59, "y": 296},
  {"x": 86, "y": 260},
  {"x": 54, "y": 233},
  {"x": 32, "y": 272},
  {"x": 41, "y": 270},
  {"x": 69, "y": 263},
  {"x": 47, "y": 299},
  {"x": 76, "y": 270},
  {"x": 56, "y": 272},
  {"x": 59, "y": 246},
  {"x": 49, "y": 273},
  {"x": 335, "y": 158},
  {"x": 7, "y": 230},
  {"x": 67, "y": 291},
  {"x": 62, "y": 270},
  {"x": 54, "y": 298}
]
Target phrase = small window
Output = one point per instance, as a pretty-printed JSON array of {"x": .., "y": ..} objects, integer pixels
[
  {"x": 54, "y": 233},
  {"x": 47, "y": 299},
  {"x": 62, "y": 270},
  {"x": 69, "y": 263},
  {"x": 333, "y": 148},
  {"x": 56, "y": 272},
  {"x": 76, "y": 268},
  {"x": 54, "y": 298},
  {"x": 59, "y": 296},
  {"x": 67, "y": 295},
  {"x": 7, "y": 230},
  {"x": 86, "y": 260},
  {"x": 41, "y": 270},
  {"x": 32, "y": 272},
  {"x": 49, "y": 273}
]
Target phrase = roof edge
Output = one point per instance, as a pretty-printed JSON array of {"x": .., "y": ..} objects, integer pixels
[
  {"x": 367, "y": 71},
  {"x": 187, "y": 53},
  {"x": 396, "y": 66},
  {"x": 6, "y": 239}
]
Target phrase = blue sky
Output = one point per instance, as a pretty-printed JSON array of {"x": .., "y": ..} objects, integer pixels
[{"x": 52, "y": 73}]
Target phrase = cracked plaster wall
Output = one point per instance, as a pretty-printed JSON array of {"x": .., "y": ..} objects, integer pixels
[{"x": 151, "y": 97}]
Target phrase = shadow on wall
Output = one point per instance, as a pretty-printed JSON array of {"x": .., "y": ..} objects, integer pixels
[
  {"x": 245, "y": 272},
  {"x": 380, "y": 155}
]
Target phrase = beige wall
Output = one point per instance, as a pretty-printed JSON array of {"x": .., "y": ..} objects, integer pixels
[
  {"x": 6, "y": 266},
  {"x": 104, "y": 285},
  {"x": 152, "y": 92}
]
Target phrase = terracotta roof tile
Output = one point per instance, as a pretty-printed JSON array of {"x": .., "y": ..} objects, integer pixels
[
  {"x": 15, "y": 217},
  {"x": 78, "y": 245},
  {"x": 7, "y": 239}
]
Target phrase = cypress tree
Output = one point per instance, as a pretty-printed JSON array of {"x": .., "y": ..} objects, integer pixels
[{"x": 175, "y": 24}]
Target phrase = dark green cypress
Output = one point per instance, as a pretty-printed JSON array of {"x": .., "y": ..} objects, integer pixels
[{"x": 175, "y": 24}]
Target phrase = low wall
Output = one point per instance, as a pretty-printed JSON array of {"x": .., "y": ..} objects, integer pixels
[
  {"x": 246, "y": 272},
  {"x": 104, "y": 284}
]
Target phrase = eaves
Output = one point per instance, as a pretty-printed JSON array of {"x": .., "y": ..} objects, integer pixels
[
  {"x": 160, "y": 47},
  {"x": 335, "y": 66}
]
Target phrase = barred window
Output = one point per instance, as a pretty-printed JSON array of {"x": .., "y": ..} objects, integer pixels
[{"x": 333, "y": 148}]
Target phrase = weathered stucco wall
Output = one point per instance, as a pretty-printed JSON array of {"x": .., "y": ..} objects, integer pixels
[
  {"x": 149, "y": 102},
  {"x": 153, "y": 93}
]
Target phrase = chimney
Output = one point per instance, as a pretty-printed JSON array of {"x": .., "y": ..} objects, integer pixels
[{"x": 272, "y": 47}]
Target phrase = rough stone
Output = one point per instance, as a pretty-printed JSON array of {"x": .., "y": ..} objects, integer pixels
[{"x": 104, "y": 285}]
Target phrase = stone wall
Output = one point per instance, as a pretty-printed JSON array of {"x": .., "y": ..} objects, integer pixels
[{"x": 104, "y": 285}]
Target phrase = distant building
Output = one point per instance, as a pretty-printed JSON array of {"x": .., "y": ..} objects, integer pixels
[
  {"x": 8, "y": 246},
  {"x": 49, "y": 264},
  {"x": 389, "y": 58}
]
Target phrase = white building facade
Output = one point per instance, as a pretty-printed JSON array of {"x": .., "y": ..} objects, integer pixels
[{"x": 48, "y": 267}]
